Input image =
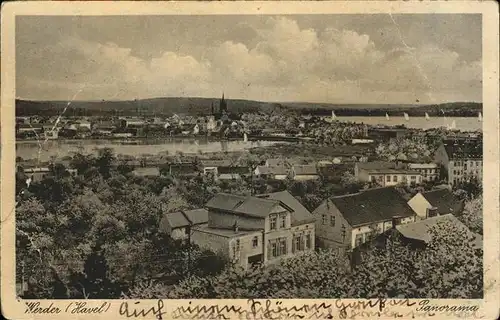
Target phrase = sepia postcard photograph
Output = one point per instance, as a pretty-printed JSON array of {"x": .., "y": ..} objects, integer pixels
[{"x": 282, "y": 160}]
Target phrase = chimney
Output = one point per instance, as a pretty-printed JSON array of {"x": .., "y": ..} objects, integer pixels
[
  {"x": 235, "y": 227},
  {"x": 395, "y": 221}
]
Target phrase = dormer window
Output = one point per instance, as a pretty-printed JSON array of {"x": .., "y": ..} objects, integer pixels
[
  {"x": 283, "y": 221},
  {"x": 273, "y": 222}
]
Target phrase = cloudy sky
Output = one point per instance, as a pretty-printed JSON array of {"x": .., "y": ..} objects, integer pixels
[{"x": 316, "y": 58}]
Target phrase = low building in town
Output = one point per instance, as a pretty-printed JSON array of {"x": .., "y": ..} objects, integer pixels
[
  {"x": 147, "y": 171},
  {"x": 178, "y": 224},
  {"x": 346, "y": 222},
  {"x": 277, "y": 173},
  {"x": 428, "y": 171},
  {"x": 386, "y": 173},
  {"x": 212, "y": 166},
  {"x": 251, "y": 230},
  {"x": 435, "y": 203},
  {"x": 304, "y": 172}
]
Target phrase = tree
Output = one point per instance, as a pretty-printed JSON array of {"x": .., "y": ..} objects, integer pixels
[{"x": 472, "y": 216}]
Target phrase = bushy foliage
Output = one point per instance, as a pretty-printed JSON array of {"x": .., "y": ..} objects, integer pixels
[{"x": 395, "y": 269}]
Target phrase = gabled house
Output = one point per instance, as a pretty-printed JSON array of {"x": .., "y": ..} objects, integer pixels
[
  {"x": 251, "y": 230},
  {"x": 304, "y": 172},
  {"x": 346, "y": 222},
  {"x": 178, "y": 224},
  {"x": 435, "y": 203}
]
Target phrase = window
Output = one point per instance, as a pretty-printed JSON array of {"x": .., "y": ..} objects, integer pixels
[
  {"x": 343, "y": 233},
  {"x": 332, "y": 221},
  {"x": 359, "y": 239},
  {"x": 413, "y": 178},
  {"x": 373, "y": 179},
  {"x": 255, "y": 242},
  {"x": 388, "y": 178},
  {"x": 236, "y": 250},
  {"x": 277, "y": 247},
  {"x": 298, "y": 243},
  {"x": 324, "y": 219},
  {"x": 395, "y": 178},
  {"x": 273, "y": 221},
  {"x": 283, "y": 221},
  {"x": 308, "y": 241}
]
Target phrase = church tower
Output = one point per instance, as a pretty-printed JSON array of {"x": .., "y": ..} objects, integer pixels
[{"x": 223, "y": 105}]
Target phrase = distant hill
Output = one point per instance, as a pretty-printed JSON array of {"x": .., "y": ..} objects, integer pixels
[{"x": 202, "y": 106}]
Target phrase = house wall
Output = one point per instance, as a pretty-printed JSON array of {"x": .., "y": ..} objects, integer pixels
[
  {"x": 464, "y": 169},
  {"x": 420, "y": 205},
  {"x": 246, "y": 248},
  {"x": 280, "y": 176},
  {"x": 213, "y": 242},
  {"x": 330, "y": 236},
  {"x": 304, "y": 177},
  {"x": 378, "y": 227},
  {"x": 226, "y": 220},
  {"x": 178, "y": 233},
  {"x": 401, "y": 178}
]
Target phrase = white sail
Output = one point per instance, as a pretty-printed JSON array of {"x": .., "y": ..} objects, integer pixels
[
  {"x": 333, "y": 116},
  {"x": 387, "y": 116},
  {"x": 245, "y": 137},
  {"x": 480, "y": 117},
  {"x": 407, "y": 117},
  {"x": 453, "y": 125},
  {"x": 427, "y": 116}
]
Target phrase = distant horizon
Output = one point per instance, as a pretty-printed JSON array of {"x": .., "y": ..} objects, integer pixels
[{"x": 243, "y": 99}]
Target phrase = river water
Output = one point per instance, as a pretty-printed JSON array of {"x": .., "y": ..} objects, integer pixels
[{"x": 170, "y": 146}]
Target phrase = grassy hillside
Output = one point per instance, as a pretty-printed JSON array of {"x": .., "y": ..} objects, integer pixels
[{"x": 202, "y": 106}]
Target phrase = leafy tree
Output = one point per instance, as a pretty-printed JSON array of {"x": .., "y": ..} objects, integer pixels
[{"x": 472, "y": 216}]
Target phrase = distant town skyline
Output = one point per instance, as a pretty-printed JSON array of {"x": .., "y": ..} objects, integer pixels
[{"x": 379, "y": 59}]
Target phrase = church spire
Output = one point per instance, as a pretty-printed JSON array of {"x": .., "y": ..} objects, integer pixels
[{"x": 223, "y": 105}]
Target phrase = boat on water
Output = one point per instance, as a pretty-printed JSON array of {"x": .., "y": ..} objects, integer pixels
[
  {"x": 427, "y": 116},
  {"x": 245, "y": 137},
  {"x": 387, "y": 116},
  {"x": 480, "y": 117},
  {"x": 407, "y": 117},
  {"x": 334, "y": 117},
  {"x": 453, "y": 126}
]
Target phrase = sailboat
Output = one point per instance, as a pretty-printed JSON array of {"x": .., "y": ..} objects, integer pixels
[
  {"x": 245, "y": 137},
  {"x": 333, "y": 116},
  {"x": 407, "y": 117},
  {"x": 480, "y": 117},
  {"x": 453, "y": 125},
  {"x": 427, "y": 116},
  {"x": 387, "y": 116}
]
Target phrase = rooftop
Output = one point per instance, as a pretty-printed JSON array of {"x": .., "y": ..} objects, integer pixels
[
  {"x": 182, "y": 219},
  {"x": 299, "y": 213},
  {"x": 147, "y": 171},
  {"x": 305, "y": 169},
  {"x": 444, "y": 201},
  {"x": 420, "y": 230},
  {"x": 463, "y": 149},
  {"x": 226, "y": 233},
  {"x": 372, "y": 205},
  {"x": 246, "y": 205}
]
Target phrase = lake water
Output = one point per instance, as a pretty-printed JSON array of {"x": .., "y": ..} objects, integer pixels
[
  {"x": 462, "y": 123},
  {"x": 59, "y": 148}
]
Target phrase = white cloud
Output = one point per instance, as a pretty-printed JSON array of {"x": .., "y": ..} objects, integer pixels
[{"x": 284, "y": 63}]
